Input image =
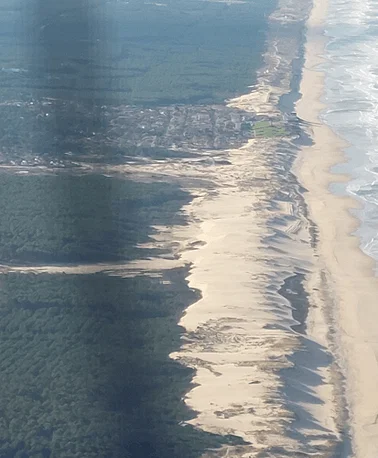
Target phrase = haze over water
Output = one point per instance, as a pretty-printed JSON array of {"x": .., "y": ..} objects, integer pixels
[{"x": 352, "y": 96}]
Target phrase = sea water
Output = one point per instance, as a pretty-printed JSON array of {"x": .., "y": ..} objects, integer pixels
[{"x": 352, "y": 103}]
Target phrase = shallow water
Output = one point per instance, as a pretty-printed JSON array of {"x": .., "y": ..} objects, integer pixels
[{"x": 352, "y": 96}]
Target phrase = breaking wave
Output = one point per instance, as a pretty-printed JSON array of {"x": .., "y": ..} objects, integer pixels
[{"x": 352, "y": 101}]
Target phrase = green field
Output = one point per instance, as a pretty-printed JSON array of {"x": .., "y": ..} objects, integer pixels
[{"x": 267, "y": 129}]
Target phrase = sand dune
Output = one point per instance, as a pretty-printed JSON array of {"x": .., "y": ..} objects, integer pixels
[{"x": 239, "y": 336}]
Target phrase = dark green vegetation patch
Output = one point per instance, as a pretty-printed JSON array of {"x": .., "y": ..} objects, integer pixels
[
  {"x": 173, "y": 51},
  {"x": 85, "y": 372},
  {"x": 89, "y": 218}
]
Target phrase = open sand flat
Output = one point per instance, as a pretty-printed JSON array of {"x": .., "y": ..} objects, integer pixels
[
  {"x": 345, "y": 274},
  {"x": 150, "y": 267}
]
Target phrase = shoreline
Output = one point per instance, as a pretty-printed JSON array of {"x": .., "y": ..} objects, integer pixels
[{"x": 347, "y": 270}]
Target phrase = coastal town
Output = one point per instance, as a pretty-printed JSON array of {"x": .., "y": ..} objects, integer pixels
[{"x": 53, "y": 133}]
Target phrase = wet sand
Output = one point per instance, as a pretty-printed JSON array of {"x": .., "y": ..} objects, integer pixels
[{"x": 343, "y": 282}]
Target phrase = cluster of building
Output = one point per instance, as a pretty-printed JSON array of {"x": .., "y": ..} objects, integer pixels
[
  {"x": 187, "y": 127},
  {"x": 55, "y": 134}
]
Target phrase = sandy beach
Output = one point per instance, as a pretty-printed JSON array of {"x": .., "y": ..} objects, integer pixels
[{"x": 343, "y": 273}]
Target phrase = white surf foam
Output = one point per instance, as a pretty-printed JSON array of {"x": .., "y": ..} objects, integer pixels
[{"x": 352, "y": 100}]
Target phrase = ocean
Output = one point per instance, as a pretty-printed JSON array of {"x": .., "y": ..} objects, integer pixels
[{"x": 351, "y": 97}]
